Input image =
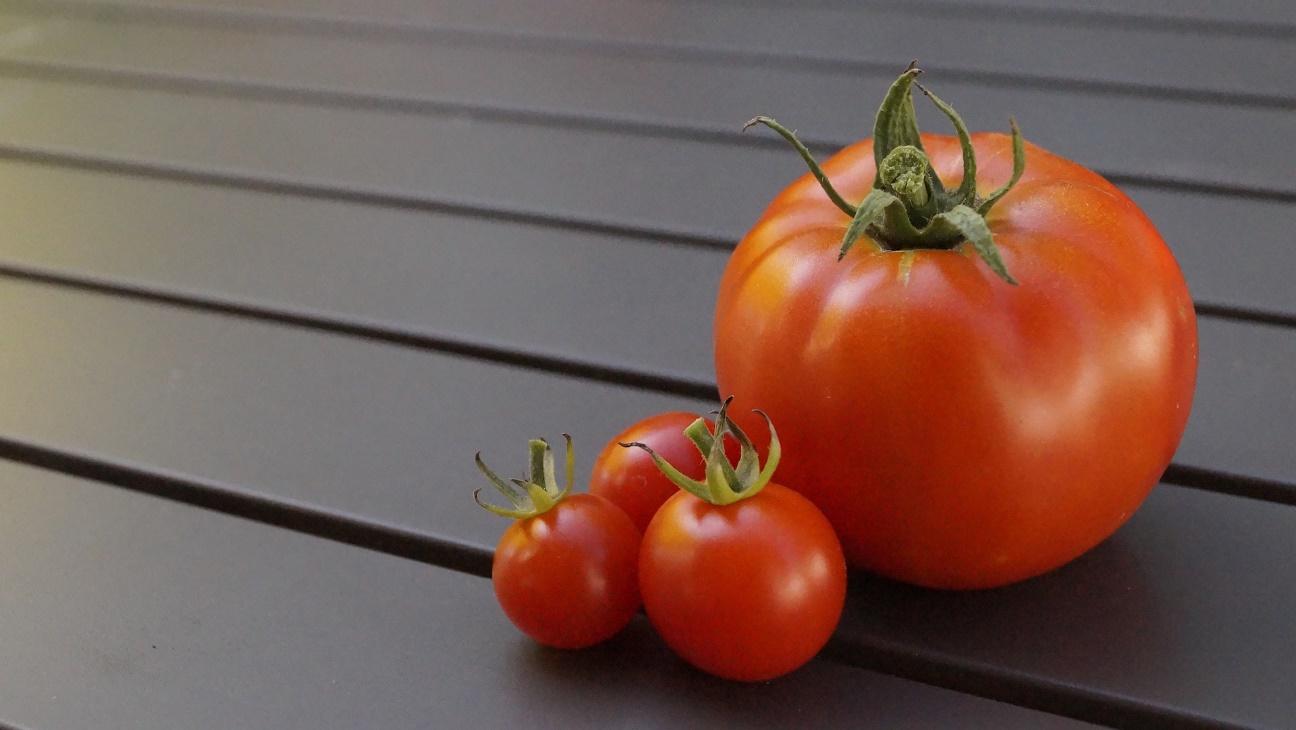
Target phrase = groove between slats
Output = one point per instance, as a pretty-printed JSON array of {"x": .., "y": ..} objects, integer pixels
[
  {"x": 276, "y": 511},
  {"x": 1246, "y": 314},
  {"x": 1005, "y": 685},
  {"x": 672, "y": 383},
  {"x": 1212, "y": 480},
  {"x": 357, "y": 25},
  {"x": 924, "y": 666},
  {"x": 264, "y": 91}
]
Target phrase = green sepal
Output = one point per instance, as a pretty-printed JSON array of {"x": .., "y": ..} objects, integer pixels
[
  {"x": 966, "y": 194},
  {"x": 542, "y": 463},
  {"x": 868, "y": 214},
  {"x": 1019, "y": 166},
  {"x": 815, "y": 169},
  {"x": 963, "y": 222},
  {"x": 715, "y": 456},
  {"x": 699, "y": 434},
  {"x": 516, "y": 514},
  {"x": 678, "y": 478},
  {"x": 775, "y": 450},
  {"x": 719, "y": 490},
  {"x": 748, "y": 468},
  {"x": 897, "y": 226},
  {"x": 541, "y": 498},
  {"x": 896, "y": 125},
  {"x": 512, "y": 495},
  {"x": 570, "y": 464}
]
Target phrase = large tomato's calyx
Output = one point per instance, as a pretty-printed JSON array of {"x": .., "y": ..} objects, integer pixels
[
  {"x": 725, "y": 483},
  {"x": 909, "y": 207},
  {"x": 535, "y": 495}
]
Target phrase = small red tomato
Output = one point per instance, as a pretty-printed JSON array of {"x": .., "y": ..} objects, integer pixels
[
  {"x": 742, "y": 578},
  {"x": 628, "y": 477},
  {"x": 566, "y": 572}
]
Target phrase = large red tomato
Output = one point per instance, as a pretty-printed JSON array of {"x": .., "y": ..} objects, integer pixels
[{"x": 958, "y": 430}]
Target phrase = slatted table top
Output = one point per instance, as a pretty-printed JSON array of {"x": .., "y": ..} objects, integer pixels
[{"x": 272, "y": 270}]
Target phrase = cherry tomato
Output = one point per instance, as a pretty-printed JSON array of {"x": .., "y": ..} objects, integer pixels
[
  {"x": 746, "y": 583},
  {"x": 960, "y": 431},
  {"x": 566, "y": 571},
  {"x": 628, "y": 477}
]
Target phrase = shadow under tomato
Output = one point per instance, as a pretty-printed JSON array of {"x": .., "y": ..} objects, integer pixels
[
  {"x": 1101, "y": 614},
  {"x": 635, "y": 681}
]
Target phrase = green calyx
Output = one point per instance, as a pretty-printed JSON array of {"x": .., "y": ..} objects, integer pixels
[
  {"x": 725, "y": 483},
  {"x": 538, "y": 493},
  {"x": 909, "y": 207}
]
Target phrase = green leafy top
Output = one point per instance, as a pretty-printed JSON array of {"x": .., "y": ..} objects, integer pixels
[
  {"x": 909, "y": 207},
  {"x": 533, "y": 496},
  {"x": 725, "y": 483}
]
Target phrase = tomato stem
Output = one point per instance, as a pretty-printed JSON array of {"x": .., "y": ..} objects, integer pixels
[
  {"x": 909, "y": 207},
  {"x": 904, "y": 173}
]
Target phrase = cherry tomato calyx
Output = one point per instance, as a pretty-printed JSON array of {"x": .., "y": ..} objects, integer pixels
[
  {"x": 908, "y": 207},
  {"x": 537, "y": 494},
  {"x": 725, "y": 483}
]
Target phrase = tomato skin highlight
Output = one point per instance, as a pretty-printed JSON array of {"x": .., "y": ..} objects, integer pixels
[
  {"x": 568, "y": 578},
  {"x": 747, "y": 591},
  {"x": 629, "y": 479},
  {"x": 960, "y": 432}
]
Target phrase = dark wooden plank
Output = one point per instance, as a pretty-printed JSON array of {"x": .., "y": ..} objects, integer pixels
[
  {"x": 382, "y": 434},
  {"x": 622, "y": 302},
  {"x": 625, "y": 305},
  {"x": 126, "y": 611},
  {"x": 1166, "y": 60},
  {"x": 685, "y": 95},
  {"x": 673, "y": 186},
  {"x": 1245, "y": 385}
]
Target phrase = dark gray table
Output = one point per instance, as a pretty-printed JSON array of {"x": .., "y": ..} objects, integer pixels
[{"x": 271, "y": 271}]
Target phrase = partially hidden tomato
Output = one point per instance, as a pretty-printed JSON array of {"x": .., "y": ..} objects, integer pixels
[
  {"x": 629, "y": 478},
  {"x": 566, "y": 571},
  {"x": 742, "y": 578},
  {"x": 994, "y": 374}
]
